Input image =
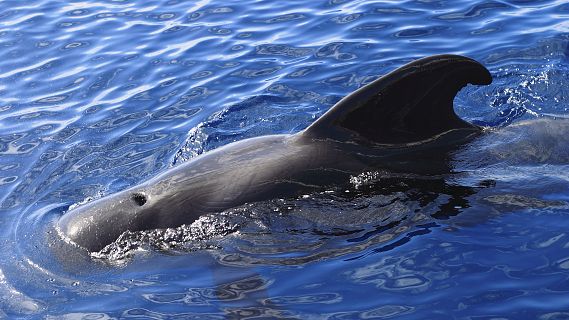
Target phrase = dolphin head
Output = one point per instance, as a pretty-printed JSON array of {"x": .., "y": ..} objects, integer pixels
[{"x": 96, "y": 224}]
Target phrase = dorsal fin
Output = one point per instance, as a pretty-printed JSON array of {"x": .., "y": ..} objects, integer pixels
[{"x": 410, "y": 104}]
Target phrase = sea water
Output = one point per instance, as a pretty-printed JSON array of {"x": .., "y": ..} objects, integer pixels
[{"x": 97, "y": 96}]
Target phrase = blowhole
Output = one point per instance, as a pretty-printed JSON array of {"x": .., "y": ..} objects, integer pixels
[{"x": 139, "y": 198}]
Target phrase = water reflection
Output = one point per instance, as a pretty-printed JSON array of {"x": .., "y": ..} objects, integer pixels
[{"x": 98, "y": 96}]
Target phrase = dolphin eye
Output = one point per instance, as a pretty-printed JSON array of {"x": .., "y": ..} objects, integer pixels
[{"x": 139, "y": 198}]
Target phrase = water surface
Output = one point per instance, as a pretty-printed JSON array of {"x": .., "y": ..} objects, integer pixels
[{"x": 96, "y": 96}]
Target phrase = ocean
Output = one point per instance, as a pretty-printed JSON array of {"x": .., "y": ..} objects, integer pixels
[{"x": 97, "y": 96}]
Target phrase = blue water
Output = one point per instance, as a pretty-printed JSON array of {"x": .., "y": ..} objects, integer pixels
[{"x": 96, "y": 96}]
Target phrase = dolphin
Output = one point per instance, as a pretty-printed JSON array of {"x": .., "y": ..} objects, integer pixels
[{"x": 387, "y": 123}]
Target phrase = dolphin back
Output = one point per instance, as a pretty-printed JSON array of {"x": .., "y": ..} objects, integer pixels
[{"x": 410, "y": 104}]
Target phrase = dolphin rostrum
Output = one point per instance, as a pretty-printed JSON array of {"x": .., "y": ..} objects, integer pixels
[{"x": 400, "y": 114}]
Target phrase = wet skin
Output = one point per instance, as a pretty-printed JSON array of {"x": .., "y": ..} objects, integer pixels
[{"x": 384, "y": 124}]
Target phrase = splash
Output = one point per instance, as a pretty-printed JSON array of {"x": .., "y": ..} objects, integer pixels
[{"x": 185, "y": 238}]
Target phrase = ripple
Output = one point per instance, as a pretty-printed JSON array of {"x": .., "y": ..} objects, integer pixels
[
  {"x": 202, "y": 74},
  {"x": 52, "y": 99},
  {"x": 371, "y": 26},
  {"x": 283, "y": 18},
  {"x": 225, "y": 292},
  {"x": 20, "y": 20},
  {"x": 162, "y": 16},
  {"x": 17, "y": 301},
  {"x": 346, "y": 19},
  {"x": 384, "y": 312},
  {"x": 333, "y": 50},
  {"x": 395, "y": 11},
  {"x": 75, "y": 44},
  {"x": 254, "y": 73},
  {"x": 413, "y": 33},
  {"x": 99, "y": 96},
  {"x": 310, "y": 299},
  {"x": 79, "y": 315},
  {"x": 8, "y": 180},
  {"x": 38, "y": 67},
  {"x": 220, "y": 31},
  {"x": 282, "y": 50},
  {"x": 475, "y": 11}
]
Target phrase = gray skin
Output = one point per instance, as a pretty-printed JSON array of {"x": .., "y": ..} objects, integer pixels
[
  {"x": 381, "y": 125},
  {"x": 242, "y": 172},
  {"x": 526, "y": 143}
]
